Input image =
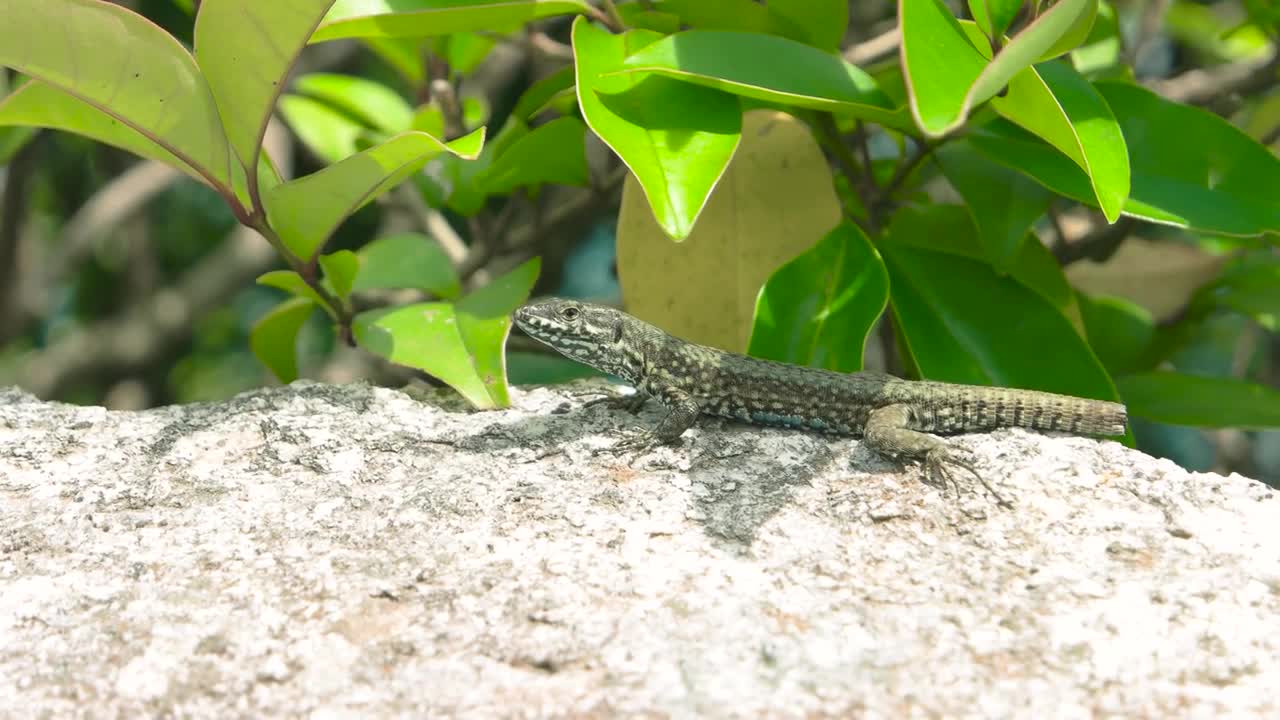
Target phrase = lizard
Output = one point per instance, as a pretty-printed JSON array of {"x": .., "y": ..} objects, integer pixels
[{"x": 896, "y": 417}]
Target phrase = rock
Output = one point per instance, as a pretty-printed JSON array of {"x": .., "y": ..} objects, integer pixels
[{"x": 337, "y": 551}]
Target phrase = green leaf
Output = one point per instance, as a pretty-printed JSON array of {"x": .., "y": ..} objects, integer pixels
[
  {"x": 1004, "y": 204},
  {"x": 1200, "y": 401},
  {"x": 404, "y": 55},
  {"x": 373, "y": 104},
  {"x": 340, "y": 270},
  {"x": 329, "y": 133},
  {"x": 551, "y": 153},
  {"x": 1220, "y": 183},
  {"x": 675, "y": 137},
  {"x": 950, "y": 230},
  {"x": 635, "y": 16},
  {"x": 821, "y": 23},
  {"x": 948, "y": 74},
  {"x": 423, "y": 18},
  {"x": 1077, "y": 32},
  {"x": 819, "y": 309},
  {"x": 292, "y": 283},
  {"x": 36, "y": 104},
  {"x": 1101, "y": 48},
  {"x": 407, "y": 260},
  {"x": 941, "y": 65},
  {"x": 1055, "y": 102},
  {"x": 244, "y": 49},
  {"x": 737, "y": 15},
  {"x": 1253, "y": 291},
  {"x": 306, "y": 211},
  {"x": 464, "y": 51},
  {"x": 1038, "y": 41},
  {"x": 12, "y": 140},
  {"x": 124, "y": 66},
  {"x": 461, "y": 344},
  {"x": 961, "y": 322},
  {"x": 1119, "y": 331},
  {"x": 769, "y": 68},
  {"x": 274, "y": 338},
  {"x": 994, "y": 16},
  {"x": 540, "y": 93}
]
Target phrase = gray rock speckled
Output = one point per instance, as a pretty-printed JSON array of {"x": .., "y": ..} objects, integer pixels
[{"x": 339, "y": 551}]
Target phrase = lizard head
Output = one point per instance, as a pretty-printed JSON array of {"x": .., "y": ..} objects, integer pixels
[{"x": 582, "y": 331}]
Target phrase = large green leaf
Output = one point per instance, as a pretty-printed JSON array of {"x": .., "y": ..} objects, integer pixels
[
  {"x": 407, "y": 260},
  {"x": 124, "y": 66},
  {"x": 1200, "y": 401},
  {"x": 551, "y": 153},
  {"x": 950, "y": 230},
  {"x": 274, "y": 338},
  {"x": 422, "y": 18},
  {"x": 1055, "y": 102},
  {"x": 675, "y": 137},
  {"x": 821, "y": 23},
  {"x": 1004, "y": 204},
  {"x": 1037, "y": 41},
  {"x": 941, "y": 64},
  {"x": 304, "y": 212},
  {"x": 950, "y": 68},
  {"x": 36, "y": 104},
  {"x": 961, "y": 322},
  {"x": 461, "y": 344},
  {"x": 770, "y": 68},
  {"x": 819, "y": 309},
  {"x": 244, "y": 49},
  {"x": 1220, "y": 183}
]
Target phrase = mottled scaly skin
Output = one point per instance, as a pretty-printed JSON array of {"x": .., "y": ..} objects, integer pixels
[{"x": 893, "y": 414}]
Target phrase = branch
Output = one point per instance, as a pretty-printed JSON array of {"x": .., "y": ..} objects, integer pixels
[
  {"x": 154, "y": 328},
  {"x": 880, "y": 46},
  {"x": 116, "y": 202},
  {"x": 1097, "y": 245},
  {"x": 1208, "y": 86}
]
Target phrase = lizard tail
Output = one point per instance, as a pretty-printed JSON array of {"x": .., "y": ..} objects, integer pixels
[{"x": 990, "y": 407}]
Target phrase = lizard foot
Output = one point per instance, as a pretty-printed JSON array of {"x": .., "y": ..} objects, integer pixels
[
  {"x": 631, "y": 403},
  {"x": 638, "y": 441},
  {"x": 943, "y": 462}
]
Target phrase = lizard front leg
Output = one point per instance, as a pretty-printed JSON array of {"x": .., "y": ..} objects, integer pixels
[
  {"x": 888, "y": 432},
  {"x": 682, "y": 412}
]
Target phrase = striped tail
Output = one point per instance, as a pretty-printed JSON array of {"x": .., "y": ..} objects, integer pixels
[{"x": 964, "y": 407}]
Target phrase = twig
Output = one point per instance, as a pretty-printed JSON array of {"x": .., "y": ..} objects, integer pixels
[
  {"x": 1097, "y": 245},
  {"x": 116, "y": 202},
  {"x": 614, "y": 19},
  {"x": 922, "y": 150},
  {"x": 877, "y": 47},
  {"x": 545, "y": 45},
  {"x": 432, "y": 221},
  {"x": 1208, "y": 86},
  {"x": 154, "y": 328}
]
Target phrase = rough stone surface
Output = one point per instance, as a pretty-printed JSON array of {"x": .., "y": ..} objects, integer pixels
[{"x": 346, "y": 551}]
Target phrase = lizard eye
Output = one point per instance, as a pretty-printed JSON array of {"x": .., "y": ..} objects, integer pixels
[{"x": 570, "y": 313}]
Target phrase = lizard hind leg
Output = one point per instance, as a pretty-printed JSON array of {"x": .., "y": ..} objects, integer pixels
[{"x": 888, "y": 432}]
